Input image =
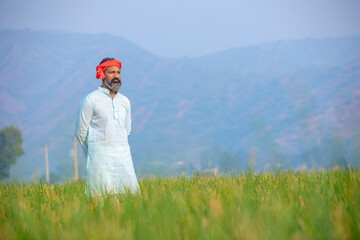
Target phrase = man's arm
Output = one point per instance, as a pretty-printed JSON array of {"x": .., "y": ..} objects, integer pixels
[
  {"x": 85, "y": 115},
  {"x": 128, "y": 117}
]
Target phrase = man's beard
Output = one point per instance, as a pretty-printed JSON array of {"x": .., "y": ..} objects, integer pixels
[{"x": 112, "y": 85}]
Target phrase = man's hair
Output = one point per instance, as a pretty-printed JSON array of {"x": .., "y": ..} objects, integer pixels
[{"x": 106, "y": 59}]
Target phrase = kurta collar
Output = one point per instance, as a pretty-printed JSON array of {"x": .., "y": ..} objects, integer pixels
[{"x": 105, "y": 90}]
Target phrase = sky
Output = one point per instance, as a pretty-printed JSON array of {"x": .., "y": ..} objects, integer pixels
[{"x": 188, "y": 28}]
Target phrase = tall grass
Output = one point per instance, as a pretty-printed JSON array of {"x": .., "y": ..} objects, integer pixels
[{"x": 282, "y": 205}]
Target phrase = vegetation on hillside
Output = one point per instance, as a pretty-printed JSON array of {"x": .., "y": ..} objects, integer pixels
[{"x": 10, "y": 148}]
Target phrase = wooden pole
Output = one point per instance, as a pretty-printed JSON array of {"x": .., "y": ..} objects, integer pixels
[
  {"x": 47, "y": 164},
  {"x": 75, "y": 160}
]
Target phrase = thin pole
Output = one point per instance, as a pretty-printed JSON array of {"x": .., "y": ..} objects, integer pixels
[
  {"x": 47, "y": 164},
  {"x": 75, "y": 160}
]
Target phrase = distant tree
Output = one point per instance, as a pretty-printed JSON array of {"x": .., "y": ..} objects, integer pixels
[
  {"x": 335, "y": 149},
  {"x": 210, "y": 157},
  {"x": 10, "y": 149},
  {"x": 228, "y": 163},
  {"x": 215, "y": 157}
]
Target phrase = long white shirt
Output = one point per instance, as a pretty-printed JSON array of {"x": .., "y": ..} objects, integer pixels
[{"x": 102, "y": 128}]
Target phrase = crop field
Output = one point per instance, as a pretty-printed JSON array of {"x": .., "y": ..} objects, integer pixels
[{"x": 279, "y": 205}]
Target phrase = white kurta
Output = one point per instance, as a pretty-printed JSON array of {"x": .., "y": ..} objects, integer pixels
[{"x": 102, "y": 128}]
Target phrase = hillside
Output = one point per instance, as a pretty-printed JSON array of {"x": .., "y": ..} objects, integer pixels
[{"x": 283, "y": 99}]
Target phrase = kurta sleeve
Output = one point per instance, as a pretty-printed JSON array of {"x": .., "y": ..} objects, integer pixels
[
  {"x": 128, "y": 117},
  {"x": 84, "y": 117}
]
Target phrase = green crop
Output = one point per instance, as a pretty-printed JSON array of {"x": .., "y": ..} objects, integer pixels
[{"x": 281, "y": 205}]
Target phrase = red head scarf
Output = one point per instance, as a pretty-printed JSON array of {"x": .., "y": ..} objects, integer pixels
[{"x": 100, "y": 69}]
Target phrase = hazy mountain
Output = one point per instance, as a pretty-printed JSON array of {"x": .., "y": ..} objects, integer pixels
[
  {"x": 278, "y": 58},
  {"x": 285, "y": 99}
]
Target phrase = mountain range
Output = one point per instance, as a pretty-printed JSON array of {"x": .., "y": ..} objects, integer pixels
[{"x": 288, "y": 103}]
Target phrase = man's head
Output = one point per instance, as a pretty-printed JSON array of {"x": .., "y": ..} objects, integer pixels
[{"x": 109, "y": 71}]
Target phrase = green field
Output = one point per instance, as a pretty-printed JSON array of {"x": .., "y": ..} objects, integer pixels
[{"x": 281, "y": 205}]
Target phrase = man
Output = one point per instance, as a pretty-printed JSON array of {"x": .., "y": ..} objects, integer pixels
[{"x": 102, "y": 128}]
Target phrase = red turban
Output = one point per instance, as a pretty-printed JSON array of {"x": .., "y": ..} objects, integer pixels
[{"x": 100, "y": 69}]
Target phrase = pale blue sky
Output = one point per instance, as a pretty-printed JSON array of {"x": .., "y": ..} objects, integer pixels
[{"x": 188, "y": 28}]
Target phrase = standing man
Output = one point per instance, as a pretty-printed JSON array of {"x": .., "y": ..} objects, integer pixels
[{"x": 102, "y": 128}]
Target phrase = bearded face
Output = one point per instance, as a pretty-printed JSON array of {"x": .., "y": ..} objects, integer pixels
[{"x": 113, "y": 84}]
